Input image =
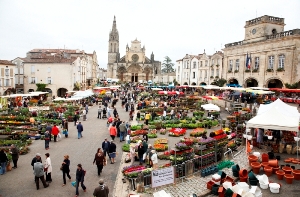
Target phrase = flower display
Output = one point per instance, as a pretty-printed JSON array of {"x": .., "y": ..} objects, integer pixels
[
  {"x": 177, "y": 132},
  {"x": 181, "y": 146},
  {"x": 138, "y": 132},
  {"x": 161, "y": 141},
  {"x": 160, "y": 147},
  {"x": 219, "y": 132},
  {"x": 207, "y": 140},
  {"x": 220, "y": 137},
  {"x": 133, "y": 170},
  {"x": 198, "y": 132},
  {"x": 162, "y": 131}
]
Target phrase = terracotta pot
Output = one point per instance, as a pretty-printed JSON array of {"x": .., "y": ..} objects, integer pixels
[
  {"x": 265, "y": 157},
  {"x": 289, "y": 178},
  {"x": 280, "y": 174},
  {"x": 295, "y": 161},
  {"x": 275, "y": 169},
  {"x": 209, "y": 184},
  {"x": 242, "y": 179},
  {"x": 287, "y": 170},
  {"x": 243, "y": 173},
  {"x": 268, "y": 170},
  {"x": 255, "y": 167},
  {"x": 252, "y": 158},
  {"x": 296, "y": 174},
  {"x": 287, "y": 161},
  {"x": 273, "y": 163},
  {"x": 264, "y": 164}
]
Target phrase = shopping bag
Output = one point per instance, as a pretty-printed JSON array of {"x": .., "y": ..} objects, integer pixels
[
  {"x": 73, "y": 183},
  {"x": 59, "y": 136},
  {"x": 64, "y": 132}
]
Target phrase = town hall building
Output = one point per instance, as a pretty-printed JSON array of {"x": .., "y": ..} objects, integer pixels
[{"x": 134, "y": 66}]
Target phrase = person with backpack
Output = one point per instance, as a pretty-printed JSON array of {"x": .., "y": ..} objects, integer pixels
[
  {"x": 102, "y": 190},
  {"x": 80, "y": 173},
  {"x": 99, "y": 112}
]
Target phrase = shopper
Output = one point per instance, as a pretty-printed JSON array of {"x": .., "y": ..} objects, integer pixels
[
  {"x": 99, "y": 160},
  {"x": 80, "y": 173},
  {"x": 38, "y": 171},
  {"x": 102, "y": 190},
  {"x": 49, "y": 129},
  {"x": 140, "y": 152},
  {"x": 15, "y": 155},
  {"x": 3, "y": 161},
  {"x": 147, "y": 117},
  {"x": 154, "y": 159},
  {"x": 105, "y": 147},
  {"x": 66, "y": 128},
  {"x": 112, "y": 131},
  {"x": 47, "y": 139},
  {"x": 132, "y": 154},
  {"x": 55, "y": 132},
  {"x": 122, "y": 128},
  {"x": 66, "y": 169},
  {"x": 112, "y": 151},
  {"x": 75, "y": 118},
  {"x": 99, "y": 112},
  {"x": 79, "y": 130},
  {"x": 48, "y": 168}
]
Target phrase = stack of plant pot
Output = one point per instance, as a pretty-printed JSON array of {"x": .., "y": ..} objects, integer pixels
[
  {"x": 235, "y": 170},
  {"x": 252, "y": 179},
  {"x": 209, "y": 170},
  {"x": 243, "y": 175},
  {"x": 289, "y": 177}
]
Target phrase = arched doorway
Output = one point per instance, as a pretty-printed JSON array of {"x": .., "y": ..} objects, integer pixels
[
  {"x": 193, "y": 84},
  {"x": 31, "y": 90},
  {"x": 121, "y": 70},
  {"x": 233, "y": 81},
  {"x": 203, "y": 84},
  {"x": 61, "y": 92},
  {"x": 134, "y": 69},
  {"x": 185, "y": 83},
  {"x": 274, "y": 83},
  {"x": 148, "y": 72},
  {"x": 251, "y": 82}
]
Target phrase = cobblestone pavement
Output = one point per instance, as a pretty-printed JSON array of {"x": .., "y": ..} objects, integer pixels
[{"x": 19, "y": 182}]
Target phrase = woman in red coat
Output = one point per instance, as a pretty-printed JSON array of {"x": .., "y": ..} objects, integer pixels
[
  {"x": 55, "y": 132},
  {"x": 113, "y": 131}
]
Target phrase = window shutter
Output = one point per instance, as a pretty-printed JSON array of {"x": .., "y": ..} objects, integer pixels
[
  {"x": 11, "y": 72},
  {"x": 2, "y": 72}
]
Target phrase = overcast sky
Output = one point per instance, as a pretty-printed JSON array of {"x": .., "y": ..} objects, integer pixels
[{"x": 167, "y": 27}]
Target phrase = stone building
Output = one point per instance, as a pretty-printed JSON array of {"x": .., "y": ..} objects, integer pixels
[
  {"x": 19, "y": 75},
  {"x": 201, "y": 69},
  {"x": 274, "y": 55},
  {"x": 7, "y": 77},
  {"x": 61, "y": 69},
  {"x": 134, "y": 66},
  {"x": 102, "y": 74}
]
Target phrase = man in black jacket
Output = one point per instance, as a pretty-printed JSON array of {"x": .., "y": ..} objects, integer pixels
[
  {"x": 105, "y": 147},
  {"x": 34, "y": 160}
]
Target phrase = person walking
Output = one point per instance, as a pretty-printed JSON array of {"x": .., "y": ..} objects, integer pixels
[
  {"x": 55, "y": 132},
  {"x": 48, "y": 168},
  {"x": 49, "y": 129},
  {"x": 15, "y": 155},
  {"x": 112, "y": 151},
  {"x": 122, "y": 128},
  {"x": 138, "y": 116},
  {"x": 38, "y": 171},
  {"x": 66, "y": 169},
  {"x": 102, "y": 190},
  {"x": 80, "y": 179},
  {"x": 35, "y": 159},
  {"x": 99, "y": 112},
  {"x": 154, "y": 159},
  {"x": 47, "y": 139},
  {"x": 66, "y": 128},
  {"x": 3, "y": 161},
  {"x": 84, "y": 114},
  {"x": 79, "y": 130},
  {"x": 112, "y": 131},
  {"x": 99, "y": 160},
  {"x": 140, "y": 152},
  {"x": 105, "y": 147},
  {"x": 147, "y": 117},
  {"x": 75, "y": 118}
]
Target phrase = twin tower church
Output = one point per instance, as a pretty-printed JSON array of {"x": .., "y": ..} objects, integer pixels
[{"x": 134, "y": 66}]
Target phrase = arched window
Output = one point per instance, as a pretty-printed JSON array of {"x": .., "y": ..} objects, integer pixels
[
  {"x": 115, "y": 48},
  {"x": 111, "y": 47}
]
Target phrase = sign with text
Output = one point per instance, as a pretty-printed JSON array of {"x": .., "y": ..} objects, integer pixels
[
  {"x": 38, "y": 108},
  {"x": 162, "y": 176}
]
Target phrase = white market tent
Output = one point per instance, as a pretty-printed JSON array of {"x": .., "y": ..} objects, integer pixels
[
  {"x": 210, "y": 107},
  {"x": 274, "y": 119},
  {"x": 83, "y": 94},
  {"x": 285, "y": 108}
]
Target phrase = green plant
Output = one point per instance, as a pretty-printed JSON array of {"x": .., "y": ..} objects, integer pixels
[
  {"x": 269, "y": 70},
  {"x": 291, "y": 86},
  {"x": 41, "y": 87},
  {"x": 229, "y": 71},
  {"x": 217, "y": 65},
  {"x": 236, "y": 71},
  {"x": 280, "y": 69},
  {"x": 217, "y": 77},
  {"x": 211, "y": 77},
  {"x": 255, "y": 70},
  {"x": 247, "y": 71}
]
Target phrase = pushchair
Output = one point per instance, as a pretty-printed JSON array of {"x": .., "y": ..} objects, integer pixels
[{"x": 104, "y": 113}]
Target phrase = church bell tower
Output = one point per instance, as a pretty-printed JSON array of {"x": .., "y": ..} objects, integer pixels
[{"x": 113, "y": 44}]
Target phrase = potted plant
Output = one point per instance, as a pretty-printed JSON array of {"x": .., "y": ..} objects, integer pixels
[
  {"x": 247, "y": 71},
  {"x": 280, "y": 69},
  {"x": 211, "y": 77},
  {"x": 209, "y": 124},
  {"x": 230, "y": 71},
  {"x": 270, "y": 70},
  {"x": 236, "y": 71}
]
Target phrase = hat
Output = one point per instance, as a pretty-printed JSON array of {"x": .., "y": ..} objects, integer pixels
[
  {"x": 101, "y": 181},
  {"x": 38, "y": 155}
]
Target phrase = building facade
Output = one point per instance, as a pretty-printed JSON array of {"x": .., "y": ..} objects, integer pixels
[
  {"x": 7, "y": 77},
  {"x": 134, "y": 66},
  {"x": 19, "y": 75},
  {"x": 273, "y": 55},
  {"x": 102, "y": 74},
  {"x": 61, "y": 69},
  {"x": 201, "y": 69}
]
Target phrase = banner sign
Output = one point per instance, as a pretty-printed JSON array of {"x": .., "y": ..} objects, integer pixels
[
  {"x": 38, "y": 108},
  {"x": 162, "y": 176}
]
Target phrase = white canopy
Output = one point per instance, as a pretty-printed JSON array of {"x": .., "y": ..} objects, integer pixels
[
  {"x": 83, "y": 94},
  {"x": 210, "y": 107},
  {"x": 274, "y": 119},
  {"x": 283, "y": 107},
  {"x": 59, "y": 99},
  {"x": 211, "y": 87}
]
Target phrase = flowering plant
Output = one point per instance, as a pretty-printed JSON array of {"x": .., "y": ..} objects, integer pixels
[
  {"x": 181, "y": 146},
  {"x": 162, "y": 131},
  {"x": 138, "y": 132},
  {"x": 208, "y": 140},
  {"x": 160, "y": 147},
  {"x": 198, "y": 132},
  {"x": 220, "y": 137},
  {"x": 177, "y": 132}
]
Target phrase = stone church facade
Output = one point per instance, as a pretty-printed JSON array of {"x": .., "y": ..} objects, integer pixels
[
  {"x": 134, "y": 66},
  {"x": 274, "y": 55}
]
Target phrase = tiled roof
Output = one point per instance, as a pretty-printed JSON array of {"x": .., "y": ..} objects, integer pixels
[
  {"x": 55, "y": 51},
  {"x": 6, "y": 62},
  {"x": 50, "y": 59}
]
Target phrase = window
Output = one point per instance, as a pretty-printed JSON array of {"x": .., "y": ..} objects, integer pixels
[
  {"x": 200, "y": 74},
  {"x": 230, "y": 65},
  {"x": 21, "y": 80},
  {"x": 49, "y": 80},
  {"x": 281, "y": 61},
  {"x": 16, "y": 70},
  {"x": 178, "y": 68},
  {"x": 21, "y": 71},
  {"x": 194, "y": 65},
  {"x": 187, "y": 75},
  {"x": 218, "y": 61},
  {"x": 184, "y": 75},
  {"x": 212, "y": 62},
  {"x": 32, "y": 69},
  {"x": 256, "y": 63},
  {"x": 6, "y": 72},
  {"x": 237, "y": 64},
  {"x": 212, "y": 72},
  {"x": 194, "y": 75},
  {"x": 206, "y": 62},
  {"x": 49, "y": 69},
  {"x": 16, "y": 79},
  {"x": 184, "y": 64},
  {"x": 187, "y": 64},
  {"x": 271, "y": 62},
  {"x": 178, "y": 78},
  {"x": 201, "y": 64},
  {"x": 205, "y": 74},
  {"x": 32, "y": 80},
  {"x": 217, "y": 72},
  {"x": 6, "y": 82}
]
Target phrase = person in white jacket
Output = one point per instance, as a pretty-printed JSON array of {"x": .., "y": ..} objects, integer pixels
[
  {"x": 48, "y": 168},
  {"x": 154, "y": 159}
]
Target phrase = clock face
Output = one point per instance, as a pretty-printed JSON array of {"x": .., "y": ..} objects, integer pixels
[
  {"x": 135, "y": 57},
  {"x": 253, "y": 31}
]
